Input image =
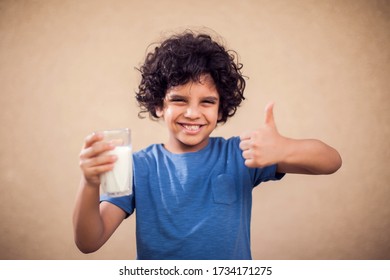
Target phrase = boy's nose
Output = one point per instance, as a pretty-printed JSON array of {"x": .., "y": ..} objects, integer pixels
[{"x": 192, "y": 112}]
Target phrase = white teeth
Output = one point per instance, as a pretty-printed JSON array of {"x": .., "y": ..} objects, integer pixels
[{"x": 192, "y": 127}]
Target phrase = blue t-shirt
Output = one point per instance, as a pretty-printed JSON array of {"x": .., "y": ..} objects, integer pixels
[{"x": 193, "y": 205}]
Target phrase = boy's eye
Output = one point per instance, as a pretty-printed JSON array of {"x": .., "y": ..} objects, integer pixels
[
  {"x": 177, "y": 100},
  {"x": 209, "y": 101}
]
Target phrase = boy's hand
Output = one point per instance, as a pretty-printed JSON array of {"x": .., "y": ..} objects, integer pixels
[
  {"x": 93, "y": 161},
  {"x": 263, "y": 146}
]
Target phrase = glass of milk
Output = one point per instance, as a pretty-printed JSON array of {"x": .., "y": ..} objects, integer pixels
[{"x": 118, "y": 181}]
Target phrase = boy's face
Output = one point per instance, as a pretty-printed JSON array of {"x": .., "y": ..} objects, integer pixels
[{"x": 191, "y": 113}]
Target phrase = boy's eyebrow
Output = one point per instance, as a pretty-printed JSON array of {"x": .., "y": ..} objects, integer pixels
[
  {"x": 175, "y": 95},
  {"x": 180, "y": 96}
]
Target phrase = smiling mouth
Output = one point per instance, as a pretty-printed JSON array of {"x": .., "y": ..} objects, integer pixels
[{"x": 191, "y": 127}]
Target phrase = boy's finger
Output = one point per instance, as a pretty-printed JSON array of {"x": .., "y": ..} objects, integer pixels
[
  {"x": 98, "y": 161},
  {"x": 100, "y": 169},
  {"x": 96, "y": 149},
  {"x": 269, "y": 114},
  {"x": 244, "y": 145},
  {"x": 92, "y": 138},
  {"x": 247, "y": 154}
]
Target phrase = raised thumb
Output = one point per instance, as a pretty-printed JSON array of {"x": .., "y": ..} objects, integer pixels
[{"x": 269, "y": 114}]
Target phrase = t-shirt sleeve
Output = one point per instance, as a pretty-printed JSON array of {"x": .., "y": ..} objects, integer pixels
[
  {"x": 126, "y": 203},
  {"x": 268, "y": 173}
]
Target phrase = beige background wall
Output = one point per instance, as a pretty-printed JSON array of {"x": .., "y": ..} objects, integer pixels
[{"x": 67, "y": 68}]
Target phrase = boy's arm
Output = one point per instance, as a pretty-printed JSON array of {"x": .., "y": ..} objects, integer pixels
[
  {"x": 265, "y": 146},
  {"x": 309, "y": 156},
  {"x": 94, "y": 222}
]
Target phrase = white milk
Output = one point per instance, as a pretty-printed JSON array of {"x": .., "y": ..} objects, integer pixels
[{"x": 119, "y": 181}]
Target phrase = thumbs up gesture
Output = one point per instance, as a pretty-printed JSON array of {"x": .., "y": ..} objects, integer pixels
[{"x": 263, "y": 146}]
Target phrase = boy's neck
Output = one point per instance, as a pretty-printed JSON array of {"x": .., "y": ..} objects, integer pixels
[{"x": 181, "y": 148}]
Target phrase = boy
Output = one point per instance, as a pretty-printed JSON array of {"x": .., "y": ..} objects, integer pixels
[{"x": 192, "y": 194}]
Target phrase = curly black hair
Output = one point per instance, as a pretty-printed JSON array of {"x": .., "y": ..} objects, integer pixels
[{"x": 186, "y": 57}]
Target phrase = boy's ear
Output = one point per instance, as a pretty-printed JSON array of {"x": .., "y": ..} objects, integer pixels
[
  {"x": 159, "y": 112},
  {"x": 219, "y": 116}
]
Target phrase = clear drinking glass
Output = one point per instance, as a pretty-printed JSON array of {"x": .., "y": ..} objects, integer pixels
[{"x": 118, "y": 181}]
